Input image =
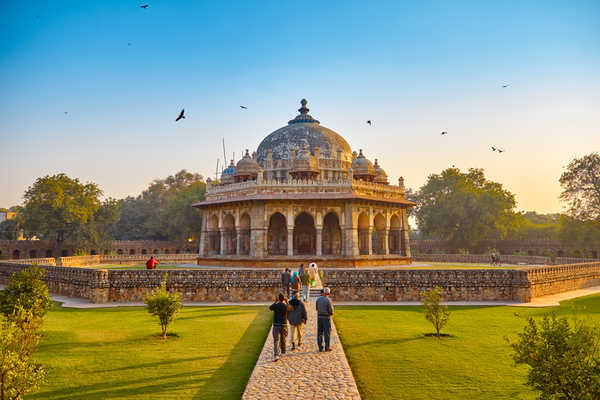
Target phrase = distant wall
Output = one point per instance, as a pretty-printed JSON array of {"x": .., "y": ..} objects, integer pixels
[
  {"x": 558, "y": 279},
  {"x": 504, "y": 259}
]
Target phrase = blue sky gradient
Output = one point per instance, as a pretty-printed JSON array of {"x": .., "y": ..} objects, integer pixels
[{"x": 415, "y": 69}]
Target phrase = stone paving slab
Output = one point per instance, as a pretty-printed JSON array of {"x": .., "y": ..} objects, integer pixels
[{"x": 304, "y": 373}]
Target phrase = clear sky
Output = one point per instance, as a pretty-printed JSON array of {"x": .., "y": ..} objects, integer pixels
[{"x": 122, "y": 73}]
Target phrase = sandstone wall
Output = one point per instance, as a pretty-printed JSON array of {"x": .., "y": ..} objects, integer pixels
[
  {"x": 504, "y": 258},
  {"x": 557, "y": 279}
]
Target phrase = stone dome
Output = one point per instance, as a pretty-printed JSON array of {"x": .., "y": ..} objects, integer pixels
[
  {"x": 228, "y": 173},
  {"x": 380, "y": 175},
  {"x": 362, "y": 167},
  {"x": 246, "y": 166},
  {"x": 304, "y": 129}
]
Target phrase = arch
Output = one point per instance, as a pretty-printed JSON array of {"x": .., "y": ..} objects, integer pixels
[
  {"x": 187, "y": 250},
  {"x": 16, "y": 254},
  {"x": 155, "y": 251},
  {"x": 144, "y": 251},
  {"x": 230, "y": 237},
  {"x": 131, "y": 252},
  {"x": 305, "y": 234},
  {"x": 32, "y": 254},
  {"x": 244, "y": 233},
  {"x": 177, "y": 251},
  {"x": 378, "y": 235},
  {"x": 277, "y": 235},
  {"x": 166, "y": 251},
  {"x": 363, "y": 233},
  {"x": 120, "y": 251},
  {"x": 64, "y": 253},
  {"x": 106, "y": 252},
  {"x": 93, "y": 252},
  {"x": 332, "y": 235},
  {"x": 395, "y": 234},
  {"x": 214, "y": 236}
]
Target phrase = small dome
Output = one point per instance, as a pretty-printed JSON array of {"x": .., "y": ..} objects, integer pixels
[
  {"x": 228, "y": 173},
  {"x": 246, "y": 166},
  {"x": 380, "y": 175},
  {"x": 304, "y": 161},
  {"x": 362, "y": 167}
]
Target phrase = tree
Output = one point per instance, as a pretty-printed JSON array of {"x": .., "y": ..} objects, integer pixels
[
  {"x": 564, "y": 359},
  {"x": 164, "y": 305},
  {"x": 9, "y": 229},
  {"x": 581, "y": 187},
  {"x": 164, "y": 210},
  {"x": 26, "y": 289},
  {"x": 580, "y": 234},
  {"x": 464, "y": 208},
  {"x": 58, "y": 208},
  {"x": 19, "y": 339},
  {"x": 435, "y": 313}
]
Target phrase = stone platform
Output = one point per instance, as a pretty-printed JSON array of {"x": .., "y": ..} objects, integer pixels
[{"x": 295, "y": 261}]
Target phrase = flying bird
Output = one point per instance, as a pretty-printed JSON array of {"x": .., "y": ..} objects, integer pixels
[
  {"x": 66, "y": 112},
  {"x": 500, "y": 151},
  {"x": 144, "y": 6},
  {"x": 244, "y": 107},
  {"x": 369, "y": 122},
  {"x": 444, "y": 133},
  {"x": 493, "y": 148},
  {"x": 180, "y": 116},
  {"x": 128, "y": 44},
  {"x": 505, "y": 85}
]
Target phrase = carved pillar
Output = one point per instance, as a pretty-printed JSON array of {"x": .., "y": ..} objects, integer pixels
[
  {"x": 290, "y": 240},
  {"x": 257, "y": 230},
  {"x": 203, "y": 236},
  {"x": 404, "y": 235},
  {"x": 370, "y": 241},
  {"x": 319, "y": 241},
  {"x": 238, "y": 243},
  {"x": 350, "y": 247},
  {"x": 222, "y": 247}
]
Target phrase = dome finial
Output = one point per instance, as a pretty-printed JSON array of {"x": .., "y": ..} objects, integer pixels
[{"x": 303, "y": 110}]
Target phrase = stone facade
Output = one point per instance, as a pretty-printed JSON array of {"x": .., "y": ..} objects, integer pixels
[
  {"x": 304, "y": 196},
  {"x": 247, "y": 285}
]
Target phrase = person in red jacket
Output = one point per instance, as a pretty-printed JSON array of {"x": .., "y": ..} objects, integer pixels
[{"x": 151, "y": 263}]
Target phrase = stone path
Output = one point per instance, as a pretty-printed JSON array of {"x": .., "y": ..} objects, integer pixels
[{"x": 303, "y": 373}]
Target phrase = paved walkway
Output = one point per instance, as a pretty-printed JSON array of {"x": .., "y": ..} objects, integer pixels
[{"x": 304, "y": 373}]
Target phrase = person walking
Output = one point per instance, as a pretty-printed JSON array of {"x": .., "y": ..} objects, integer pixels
[
  {"x": 312, "y": 269},
  {"x": 286, "y": 279},
  {"x": 280, "y": 311},
  {"x": 296, "y": 283},
  {"x": 301, "y": 270},
  {"x": 297, "y": 317},
  {"x": 305, "y": 278},
  {"x": 151, "y": 263},
  {"x": 324, "y": 313}
]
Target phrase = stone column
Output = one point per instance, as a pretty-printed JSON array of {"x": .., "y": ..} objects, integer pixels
[
  {"x": 257, "y": 230},
  {"x": 350, "y": 247},
  {"x": 290, "y": 240},
  {"x": 319, "y": 241},
  {"x": 222, "y": 234},
  {"x": 238, "y": 250},
  {"x": 386, "y": 246},
  {"x": 405, "y": 249},
  {"x": 370, "y": 241}
]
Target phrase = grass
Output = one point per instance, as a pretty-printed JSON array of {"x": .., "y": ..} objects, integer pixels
[
  {"x": 117, "y": 353},
  {"x": 393, "y": 359}
]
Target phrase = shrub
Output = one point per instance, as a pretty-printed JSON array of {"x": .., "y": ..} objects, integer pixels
[
  {"x": 19, "y": 339},
  {"x": 164, "y": 305},
  {"x": 28, "y": 290},
  {"x": 435, "y": 313},
  {"x": 564, "y": 359}
]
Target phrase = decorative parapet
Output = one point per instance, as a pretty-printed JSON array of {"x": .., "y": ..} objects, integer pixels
[{"x": 218, "y": 192}]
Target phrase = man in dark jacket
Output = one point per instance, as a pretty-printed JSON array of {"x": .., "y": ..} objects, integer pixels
[
  {"x": 280, "y": 311},
  {"x": 324, "y": 313},
  {"x": 286, "y": 280},
  {"x": 297, "y": 317}
]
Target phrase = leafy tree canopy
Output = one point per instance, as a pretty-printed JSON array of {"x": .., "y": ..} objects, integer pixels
[
  {"x": 464, "y": 207},
  {"x": 581, "y": 187}
]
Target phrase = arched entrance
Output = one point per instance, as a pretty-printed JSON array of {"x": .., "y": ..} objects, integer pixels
[
  {"x": 32, "y": 254},
  {"x": 332, "y": 235},
  {"x": 230, "y": 238},
  {"x": 363, "y": 234},
  {"x": 16, "y": 254},
  {"x": 305, "y": 234},
  {"x": 379, "y": 236},
  {"x": 214, "y": 237},
  {"x": 394, "y": 238},
  {"x": 277, "y": 235},
  {"x": 244, "y": 234}
]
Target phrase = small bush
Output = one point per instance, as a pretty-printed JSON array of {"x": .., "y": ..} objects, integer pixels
[
  {"x": 28, "y": 290},
  {"x": 435, "y": 313},
  {"x": 564, "y": 359},
  {"x": 19, "y": 339},
  {"x": 164, "y": 305}
]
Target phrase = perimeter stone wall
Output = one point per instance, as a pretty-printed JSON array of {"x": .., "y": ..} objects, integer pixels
[{"x": 248, "y": 285}]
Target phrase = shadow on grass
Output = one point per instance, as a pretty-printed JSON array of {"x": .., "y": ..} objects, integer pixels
[{"x": 229, "y": 381}]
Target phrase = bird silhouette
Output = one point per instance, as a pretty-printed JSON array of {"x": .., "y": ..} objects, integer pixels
[
  {"x": 505, "y": 85},
  {"x": 66, "y": 112},
  {"x": 128, "y": 44},
  {"x": 144, "y": 6},
  {"x": 369, "y": 122},
  {"x": 444, "y": 133},
  {"x": 180, "y": 116},
  {"x": 500, "y": 151},
  {"x": 244, "y": 107},
  {"x": 493, "y": 148}
]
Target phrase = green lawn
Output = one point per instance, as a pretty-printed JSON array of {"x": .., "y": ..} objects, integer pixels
[
  {"x": 392, "y": 359},
  {"x": 114, "y": 353}
]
